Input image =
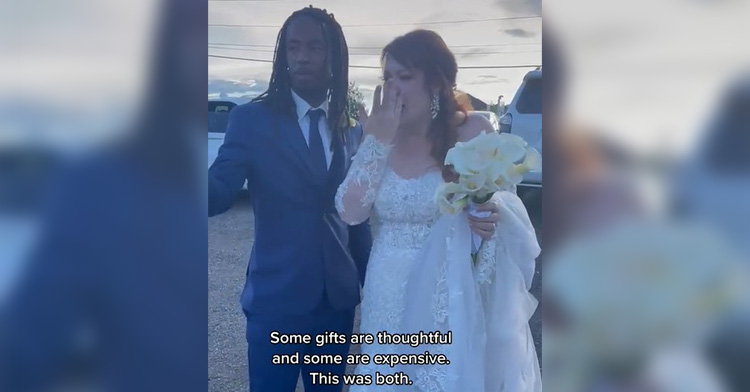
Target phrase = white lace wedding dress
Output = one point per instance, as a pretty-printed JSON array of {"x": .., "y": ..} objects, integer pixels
[{"x": 420, "y": 277}]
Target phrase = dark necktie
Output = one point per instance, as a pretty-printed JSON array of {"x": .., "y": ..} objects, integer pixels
[{"x": 317, "y": 154}]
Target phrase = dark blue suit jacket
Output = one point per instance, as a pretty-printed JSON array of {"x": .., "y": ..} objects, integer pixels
[{"x": 302, "y": 247}]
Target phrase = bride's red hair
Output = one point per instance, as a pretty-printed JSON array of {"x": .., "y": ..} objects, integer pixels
[{"x": 426, "y": 51}]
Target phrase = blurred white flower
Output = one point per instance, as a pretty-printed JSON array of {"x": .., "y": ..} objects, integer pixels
[
  {"x": 637, "y": 288},
  {"x": 681, "y": 370}
]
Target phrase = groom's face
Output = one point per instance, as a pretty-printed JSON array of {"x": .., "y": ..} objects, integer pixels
[{"x": 307, "y": 55}]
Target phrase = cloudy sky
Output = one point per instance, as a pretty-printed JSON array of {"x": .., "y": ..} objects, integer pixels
[{"x": 475, "y": 40}]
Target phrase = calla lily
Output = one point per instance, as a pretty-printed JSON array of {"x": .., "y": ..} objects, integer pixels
[
  {"x": 532, "y": 161},
  {"x": 450, "y": 198},
  {"x": 472, "y": 184}
]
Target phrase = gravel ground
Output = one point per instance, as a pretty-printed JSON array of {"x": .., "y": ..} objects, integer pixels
[{"x": 230, "y": 237}]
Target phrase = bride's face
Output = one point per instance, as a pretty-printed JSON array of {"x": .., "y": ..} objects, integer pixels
[{"x": 410, "y": 82}]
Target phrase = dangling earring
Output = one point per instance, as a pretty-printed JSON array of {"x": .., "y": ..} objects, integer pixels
[{"x": 435, "y": 105}]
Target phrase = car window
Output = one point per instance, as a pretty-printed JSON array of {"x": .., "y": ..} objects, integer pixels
[
  {"x": 217, "y": 122},
  {"x": 530, "y": 100},
  {"x": 218, "y": 115},
  {"x": 220, "y": 106}
]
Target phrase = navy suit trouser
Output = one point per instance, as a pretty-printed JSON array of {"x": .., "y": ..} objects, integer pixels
[{"x": 267, "y": 377}]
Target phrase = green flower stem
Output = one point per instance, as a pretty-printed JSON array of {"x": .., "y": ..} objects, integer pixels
[{"x": 481, "y": 199}]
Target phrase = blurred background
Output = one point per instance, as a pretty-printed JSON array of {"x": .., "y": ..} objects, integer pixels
[
  {"x": 646, "y": 219},
  {"x": 102, "y": 207}
]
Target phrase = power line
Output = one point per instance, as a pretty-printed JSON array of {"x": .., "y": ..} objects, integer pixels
[
  {"x": 378, "y": 54},
  {"x": 390, "y": 24},
  {"x": 240, "y": 58},
  {"x": 500, "y": 66},
  {"x": 381, "y": 47},
  {"x": 378, "y": 67},
  {"x": 245, "y": 45},
  {"x": 258, "y": 1}
]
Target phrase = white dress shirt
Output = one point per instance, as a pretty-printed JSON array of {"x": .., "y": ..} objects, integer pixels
[{"x": 304, "y": 123}]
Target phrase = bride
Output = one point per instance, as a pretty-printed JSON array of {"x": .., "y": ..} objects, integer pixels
[{"x": 414, "y": 279}]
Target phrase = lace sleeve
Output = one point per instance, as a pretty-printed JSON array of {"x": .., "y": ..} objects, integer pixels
[{"x": 356, "y": 194}]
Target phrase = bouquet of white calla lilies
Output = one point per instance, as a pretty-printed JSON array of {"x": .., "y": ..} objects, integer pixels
[{"x": 486, "y": 164}]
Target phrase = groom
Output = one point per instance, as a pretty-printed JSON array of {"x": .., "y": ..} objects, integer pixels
[{"x": 293, "y": 145}]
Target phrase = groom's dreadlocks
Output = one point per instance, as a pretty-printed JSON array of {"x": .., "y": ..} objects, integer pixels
[{"x": 279, "y": 95}]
